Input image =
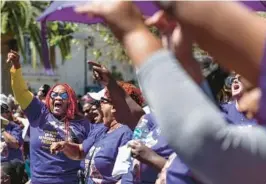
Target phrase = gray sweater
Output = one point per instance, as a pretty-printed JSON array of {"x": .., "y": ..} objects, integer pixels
[{"x": 216, "y": 152}]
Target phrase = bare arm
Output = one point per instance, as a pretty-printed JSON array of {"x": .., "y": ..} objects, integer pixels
[
  {"x": 122, "y": 102},
  {"x": 230, "y": 32},
  {"x": 11, "y": 140},
  {"x": 71, "y": 150},
  {"x": 157, "y": 162},
  {"x": 132, "y": 112}
]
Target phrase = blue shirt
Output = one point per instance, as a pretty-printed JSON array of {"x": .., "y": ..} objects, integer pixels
[
  {"x": 102, "y": 152},
  {"x": 15, "y": 130},
  {"x": 47, "y": 168},
  {"x": 177, "y": 172}
]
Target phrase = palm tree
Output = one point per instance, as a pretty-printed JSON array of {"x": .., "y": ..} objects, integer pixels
[{"x": 19, "y": 18}]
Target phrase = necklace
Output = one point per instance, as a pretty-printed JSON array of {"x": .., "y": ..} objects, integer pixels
[{"x": 114, "y": 127}]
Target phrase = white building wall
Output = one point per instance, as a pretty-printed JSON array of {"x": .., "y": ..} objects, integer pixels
[{"x": 72, "y": 70}]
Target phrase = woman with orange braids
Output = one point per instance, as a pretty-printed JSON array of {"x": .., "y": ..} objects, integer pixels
[
  {"x": 57, "y": 120},
  {"x": 100, "y": 153}
]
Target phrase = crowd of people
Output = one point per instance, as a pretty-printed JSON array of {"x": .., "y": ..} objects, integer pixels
[{"x": 194, "y": 120}]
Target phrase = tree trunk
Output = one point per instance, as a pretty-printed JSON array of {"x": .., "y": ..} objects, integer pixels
[{"x": 52, "y": 56}]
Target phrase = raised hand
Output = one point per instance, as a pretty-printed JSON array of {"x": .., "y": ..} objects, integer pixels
[
  {"x": 57, "y": 147},
  {"x": 13, "y": 57},
  {"x": 121, "y": 16},
  {"x": 178, "y": 39},
  {"x": 101, "y": 73},
  {"x": 174, "y": 36}
]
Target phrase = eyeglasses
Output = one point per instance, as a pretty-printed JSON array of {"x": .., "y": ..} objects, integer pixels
[
  {"x": 105, "y": 101},
  {"x": 230, "y": 80},
  {"x": 64, "y": 95}
]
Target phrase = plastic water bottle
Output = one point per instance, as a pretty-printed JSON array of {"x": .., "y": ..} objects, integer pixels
[{"x": 141, "y": 131}]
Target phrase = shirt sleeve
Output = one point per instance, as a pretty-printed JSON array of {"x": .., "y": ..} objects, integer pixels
[
  {"x": 17, "y": 133},
  {"x": 80, "y": 130},
  {"x": 195, "y": 128},
  {"x": 22, "y": 95},
  {"x": 35, "y": 111},
  {"x": 95, "y": 134},
  {"x": 127, "y": 136}
]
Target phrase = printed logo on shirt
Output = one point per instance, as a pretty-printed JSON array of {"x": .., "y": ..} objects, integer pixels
[
  {"x": 58, "y": 125},
  {"x": 48, "y": 138},
  {"x": 90, "y": 168},
  {"x": 54, "y": 131}
]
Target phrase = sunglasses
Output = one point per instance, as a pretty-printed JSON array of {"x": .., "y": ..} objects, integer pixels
[
  {"x": 64, "y": 95},
  {"x": 105, "y": 101},
  {"x": 230, "y": 80}
]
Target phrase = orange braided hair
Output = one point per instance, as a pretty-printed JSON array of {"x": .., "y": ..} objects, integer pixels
[{"x": 131, "y": 90}]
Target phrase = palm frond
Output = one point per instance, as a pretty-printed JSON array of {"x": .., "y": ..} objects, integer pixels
[
  {"x": 3, "y": 2},
  {"x": 4, "y": 22},
  {"x": 19, "y": 33},
  {"x": 18, "y": 18}
]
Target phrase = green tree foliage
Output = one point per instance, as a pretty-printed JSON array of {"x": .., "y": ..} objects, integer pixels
[
  {"x": 116, "y": 51},
  {"x": 19, "y": 18}
]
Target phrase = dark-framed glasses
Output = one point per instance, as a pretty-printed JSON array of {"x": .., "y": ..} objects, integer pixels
[{"x": 105, "y": 101}]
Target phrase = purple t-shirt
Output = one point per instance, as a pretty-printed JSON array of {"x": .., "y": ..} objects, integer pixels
[
  {"x": 262, "y": 109},
  {"x": 15, "y": 130},
  {"x": 158, "y": 144},
  {"x": 230, "y": 112},
  {"x": 101, "y": 156},
  {"x": 177, "y": 172},
  {"x": 44, "y": 130}
]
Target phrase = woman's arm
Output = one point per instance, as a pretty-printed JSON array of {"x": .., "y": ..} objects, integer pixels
[
  {"x": 33, "y": 108},
  {"x": 156, "y": 161},
  {"x": 11, "y": 140},
  {"x": 71, "y": 150},
  {"x": 132, "y": 112},
  {"x": 122, "y": 102},
  {"x": 195, "y": 129},
  {"x": 74, "y": 151},
  {"x": 22, "y": 95},
  {"x": 230, "y": 32},
  {"x": 146, "y": 155}
]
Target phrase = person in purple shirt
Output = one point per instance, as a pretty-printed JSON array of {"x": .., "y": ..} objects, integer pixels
[
  {"x": 57, "y": 119},
  {"x": 175, "y": 171},
  {"x": 231, "y": 109},
  {"x": 11, "y": 134},
  {"x": 151, "y": 158},
  {"x": 100, "y": 149}
]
